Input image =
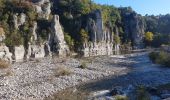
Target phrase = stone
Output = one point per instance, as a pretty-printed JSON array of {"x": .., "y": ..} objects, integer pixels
[
  {"x": 100, "y": 38},
  {"x": 134, "y": 28},
  {"x": 34, "y": 32},
  {"x": 18, "y": 53},
  {"x": 15, "y": 21},
  {"x": 22, "y": 19},
  {"x": 36, "y": 51},
  {"x": 5, "y": 54},
  {"x": 2, "y": 34},
  {"x": 43, "y": 8},
  {"x": 56, "y": 39}
]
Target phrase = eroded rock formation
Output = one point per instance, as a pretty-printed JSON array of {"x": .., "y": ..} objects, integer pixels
[
  {"x": 101, "y": 38},
  {"x": 56, "y": 38},
  {"x": 134, "y": 29},
  {"x": 43, "y": 8}
]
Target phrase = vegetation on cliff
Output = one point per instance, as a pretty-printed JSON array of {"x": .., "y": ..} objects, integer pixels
[{"x": 73, "y": 17}]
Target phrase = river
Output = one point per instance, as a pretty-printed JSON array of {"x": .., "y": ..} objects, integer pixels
[{"x": 141, "y": 72}]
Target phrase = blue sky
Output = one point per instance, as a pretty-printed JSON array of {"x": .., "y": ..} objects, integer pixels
[{"x": 143, "y": 7}]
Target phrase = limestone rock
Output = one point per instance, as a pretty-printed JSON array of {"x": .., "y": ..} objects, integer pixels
[
  {"x": 134, "y": 29},
  {"x": 43, "y": 8},
  {"x": 5, "y": 54},
  {"x": 56, "y": 38},
  {"x": 2, "y": 34},
  {"x": 101, "y": 38},
  {"x": 18, "y": 53},
  {"x": 34, "y": 33},
  {"x": 36, "y": 51},
  {"x": 19, "y": 20}
]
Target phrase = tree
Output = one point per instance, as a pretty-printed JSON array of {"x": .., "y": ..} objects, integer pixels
[
  {"x": 69, "y": 41},
  {"x": 84, "y": 35},
  {"x": 117, "y": 39},
  {"x": 148, "y": 37}
]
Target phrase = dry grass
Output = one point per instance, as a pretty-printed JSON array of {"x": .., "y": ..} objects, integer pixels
[
  {"x": 121, "y": 97},
  {"x": 4, "y": 64},
  {"x": 62, "y": 71},
  {"x": 83, "y": 66}
]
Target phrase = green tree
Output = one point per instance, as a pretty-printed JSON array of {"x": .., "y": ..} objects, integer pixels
[
  {"x": 69, "y": 41},
  {"x": 84, "y": 35},
  {"x": 117, "y": 39}
]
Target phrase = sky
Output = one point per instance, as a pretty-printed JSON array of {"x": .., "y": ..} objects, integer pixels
[{"x": 150, "y": 7}]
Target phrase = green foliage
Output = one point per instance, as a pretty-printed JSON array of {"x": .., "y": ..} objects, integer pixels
[
  {"x": 162, "y": 58},
  {"x": 120, "y": 97},
  {"x": 69, "y": 41},
  {"x": 117, "y": 39},
  {"x": 142, "y": 94},
  {"x": 14, "y": 39},
  {"x": 84, "y": 36},
  {"x": 160, "y": 39},
  {"x": 83, "y": 66}
]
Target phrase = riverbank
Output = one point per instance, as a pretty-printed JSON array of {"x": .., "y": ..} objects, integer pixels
[
  {"x": 141, "y": 72},
  {"x": 41, "y": 78}
]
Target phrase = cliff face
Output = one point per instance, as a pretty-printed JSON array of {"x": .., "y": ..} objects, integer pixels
[
  {"x": 43, "y": 34},
  {"x": 134, "y": 29},
  {"x": 100, "y": 38},
  {"x": 54, "y": 42}
]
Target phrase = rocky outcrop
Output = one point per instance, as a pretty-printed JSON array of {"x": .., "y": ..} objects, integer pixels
[
  {"x": 2, "y": 34},
  {"x": 18, "y": 53},
  {"x": 5, "y": 54},
  {"x": 36, "y": 51},
  {"x": 43, "y": 8},
  {"x": 56, "y": 38},
  {"x": 18, "y": 20},
  {"x": 134, "y": 29},
  {"x": 100, "y": 37}
]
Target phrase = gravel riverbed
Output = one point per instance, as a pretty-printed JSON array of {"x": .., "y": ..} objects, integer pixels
[{"x": 38, "y": 79}]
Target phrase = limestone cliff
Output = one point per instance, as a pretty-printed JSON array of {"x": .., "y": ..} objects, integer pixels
[
  {"x": 134, "y": 28},
  {"x": 100, "y": 37},
  {"x": 56, "y": 38}
]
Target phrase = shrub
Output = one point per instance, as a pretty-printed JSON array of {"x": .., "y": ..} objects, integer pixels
[
  {"x": 153, "y": 56},
  {"x": 83, "y": 66},
  {"x": 142, "y": 94},
  {"x": 3, "y": 64},
  {"x": 62, "y": 71},
  {"x": 121, "y": 97},
  {"x": 162, "y": 58}
]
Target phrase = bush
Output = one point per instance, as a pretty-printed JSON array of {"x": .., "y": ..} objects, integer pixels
[
  {"x": 83, "y": 66},
  {"x": 142, "y": 94},
  {"x": 120, "y": 97},
  {"x": 153, "y": 56},
  {"x": 162, "y": 58},
  {"x": 3, "y": 64},
  {"x": 62, "y": 71}
]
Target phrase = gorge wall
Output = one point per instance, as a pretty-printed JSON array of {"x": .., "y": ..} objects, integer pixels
[
  {"x": 100, "y": 38},
  {"x": 35, "y": 48},
  {"x": 40, "y": 28}
]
